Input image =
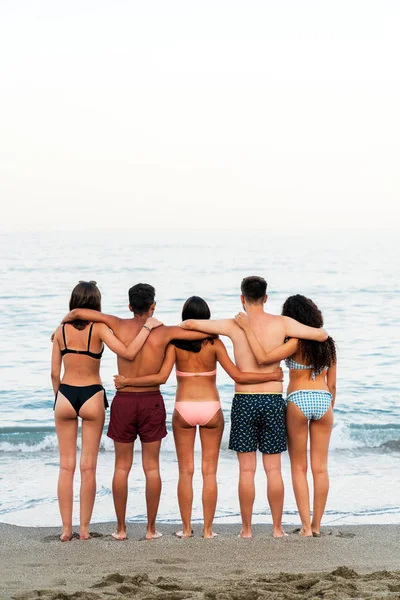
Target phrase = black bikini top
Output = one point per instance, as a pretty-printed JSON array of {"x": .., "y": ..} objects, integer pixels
[{"x": 87, "y": 352}]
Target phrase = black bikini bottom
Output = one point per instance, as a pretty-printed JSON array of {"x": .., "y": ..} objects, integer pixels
[{"x": 78, "y": 395}]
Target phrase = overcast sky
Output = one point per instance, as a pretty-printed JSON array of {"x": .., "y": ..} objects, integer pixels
[{"x": 214, "y": 113}]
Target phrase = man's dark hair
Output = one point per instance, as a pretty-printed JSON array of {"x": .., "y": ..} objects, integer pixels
[
  {"x": 141, "y": 297},
  {"x": 254, "y": 289}
]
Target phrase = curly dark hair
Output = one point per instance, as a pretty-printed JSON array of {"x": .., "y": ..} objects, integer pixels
[
  {"x": 304, "y": 310},
  {"x": 194, "y": 308}
]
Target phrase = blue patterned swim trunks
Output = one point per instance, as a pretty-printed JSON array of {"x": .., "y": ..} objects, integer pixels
[{"x": 258, "y": 423}]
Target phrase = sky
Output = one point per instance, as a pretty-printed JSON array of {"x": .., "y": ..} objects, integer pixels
[{"x": 219, "y": 114}]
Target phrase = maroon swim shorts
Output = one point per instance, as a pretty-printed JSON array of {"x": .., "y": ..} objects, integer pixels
[{"x": 137, "y": 414}]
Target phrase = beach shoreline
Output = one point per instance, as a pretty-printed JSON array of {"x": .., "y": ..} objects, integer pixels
[{"x": 347, "y": 561}]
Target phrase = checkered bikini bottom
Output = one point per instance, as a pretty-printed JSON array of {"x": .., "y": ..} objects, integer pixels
[{"x": 312, "y": 403}]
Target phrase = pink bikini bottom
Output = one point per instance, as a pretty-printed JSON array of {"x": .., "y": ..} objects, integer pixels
[{"x": 197, "y": 412}]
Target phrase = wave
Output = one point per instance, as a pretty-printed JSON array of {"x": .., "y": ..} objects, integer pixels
[
  {"x": 345, "y": 437},
  {"x": 48, "y": 443},
  {"x": 368, "y": 437}
]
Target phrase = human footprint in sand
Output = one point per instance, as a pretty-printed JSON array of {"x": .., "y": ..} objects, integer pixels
[
  {"x": 78, "y": 346},
  {"x": 197, "y": 404}
]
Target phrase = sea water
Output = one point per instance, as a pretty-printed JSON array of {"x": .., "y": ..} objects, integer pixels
[{"x": 352, "y": 276}]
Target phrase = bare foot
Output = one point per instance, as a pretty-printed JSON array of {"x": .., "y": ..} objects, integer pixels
[
  {"x": 120, "y": 536},
  {"x": 316, "y": 530},
  {"x": 84, "y": 535},
  {"x": 153, "y": 535},
  {"x": 209, "y": 536},
  {"x": 245, "y": 535},
  {"x": 305, "y": 532},
  {"x": 66, "y": 537},
  {"x": 279, "y": 533},
  {"x": 182, "y": 534}
]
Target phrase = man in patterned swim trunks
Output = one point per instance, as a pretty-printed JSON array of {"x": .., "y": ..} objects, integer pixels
[{"x": 258, "y": 411}]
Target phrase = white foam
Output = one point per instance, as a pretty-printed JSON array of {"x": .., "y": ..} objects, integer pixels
[{"x": 342, "y": 440}]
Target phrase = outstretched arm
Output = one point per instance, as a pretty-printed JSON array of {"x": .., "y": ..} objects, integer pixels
[
  {"x": 243, "y": 377},
  {"x": 262, "y": 356},
  {"x": 56, "y": 361},
  {"x": 331, "y": 382},
  {"x": 294, "y": 329},
  {"x": 95, "y": 316},
  {"x": 221, "y": 327},
  {"x": 128, "y": 352},
  {"x": 174, "y": 332},
  {"x": 149, "y": 380}
]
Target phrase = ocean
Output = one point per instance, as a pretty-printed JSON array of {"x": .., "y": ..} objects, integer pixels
[{"x": 354, "y": 278}]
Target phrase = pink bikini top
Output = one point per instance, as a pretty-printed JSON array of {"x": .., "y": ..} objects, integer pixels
[{"x": 202, "y": 374}]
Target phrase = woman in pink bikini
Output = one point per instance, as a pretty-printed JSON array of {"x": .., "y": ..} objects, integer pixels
[{"x": 197, "y": 403}]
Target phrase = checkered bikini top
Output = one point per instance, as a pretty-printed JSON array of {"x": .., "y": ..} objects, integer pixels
[{"x": 292, "y": 364}]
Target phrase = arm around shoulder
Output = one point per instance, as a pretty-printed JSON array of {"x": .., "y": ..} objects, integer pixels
[
  {"x": 218, "y": 327},
  {"x": 128, "y": 352},
  {"x": 95, "y": 316},
  {"x": 294, "y": 329}
]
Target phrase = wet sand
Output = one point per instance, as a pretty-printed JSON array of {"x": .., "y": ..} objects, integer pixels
[{"x": 346, "y": 562}]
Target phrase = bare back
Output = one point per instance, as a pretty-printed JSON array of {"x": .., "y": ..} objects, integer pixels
[
  {"x": 270, "y": 331},
  {"x": 150, "y": 357},
  {"x": 201, "y": 388},
  {"x": 78, "y": 368}
]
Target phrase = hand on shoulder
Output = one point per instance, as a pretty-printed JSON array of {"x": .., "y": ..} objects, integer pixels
[
  {"x": 242, "y": 320},
  {"x": 152, "y": 322}
]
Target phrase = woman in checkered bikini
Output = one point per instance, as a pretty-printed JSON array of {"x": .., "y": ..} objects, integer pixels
[{"x": 310, "y": 400}]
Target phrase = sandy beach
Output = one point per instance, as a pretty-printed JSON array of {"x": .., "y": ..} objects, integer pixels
[{"x": 346, "y": 562}]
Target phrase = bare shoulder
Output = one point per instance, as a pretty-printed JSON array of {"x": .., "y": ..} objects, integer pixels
[
  {"x": 99, "y": 329},
  {"x": 119, "y": 325},
  {"x": 217, "y": 344},
  {"x": 164, "y": 330},
  {"x": 276, "y": 320},
  {"x": 58, "y": 333},
  {"x": 270, "y": 321},
  {"x": 272, "y": 317}
]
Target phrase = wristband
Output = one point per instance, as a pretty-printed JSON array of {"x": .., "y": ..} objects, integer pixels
[{"x": 147, "y": 327}]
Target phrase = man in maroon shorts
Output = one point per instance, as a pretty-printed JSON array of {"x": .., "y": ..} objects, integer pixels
[{"x": 138, "y": 411}]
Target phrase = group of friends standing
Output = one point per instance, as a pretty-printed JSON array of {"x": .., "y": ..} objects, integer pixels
[{"x": 261, "y": 419}]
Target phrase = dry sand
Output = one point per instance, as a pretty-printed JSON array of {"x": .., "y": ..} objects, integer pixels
[{"x": 346, "y": 562}]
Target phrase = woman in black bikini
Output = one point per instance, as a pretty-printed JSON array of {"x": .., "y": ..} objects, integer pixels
[{"x": 79, "y": 346}]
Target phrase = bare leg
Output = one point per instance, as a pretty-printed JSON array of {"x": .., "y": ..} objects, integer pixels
[
  {"x": 297, "y": 431},
  {"x": 210, "y": 435},
  {"x": 184, "y": 436},
  {"x": 123, "y": 465},
  {"x": 67, "y": 432},
  {"x": 93, "y": 414},
  {"x": 151, "y": 468},
  {"x": 247, "y": 493},
  {"x": 320, "y": 434},
  {"x": 275, "y": 491}
]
